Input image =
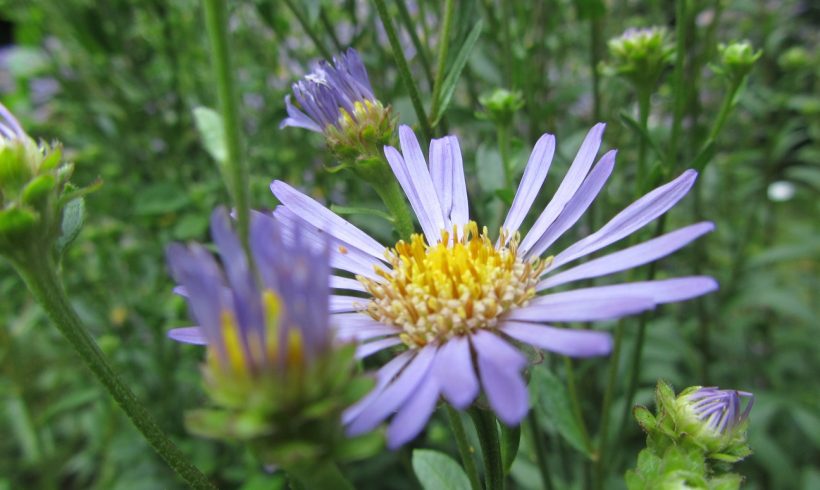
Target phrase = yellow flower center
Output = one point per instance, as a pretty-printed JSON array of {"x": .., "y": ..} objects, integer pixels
[{"x": 452, "y": 288}]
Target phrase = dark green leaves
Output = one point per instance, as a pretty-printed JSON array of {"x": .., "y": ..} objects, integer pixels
[{"x": 437, "y": 471}]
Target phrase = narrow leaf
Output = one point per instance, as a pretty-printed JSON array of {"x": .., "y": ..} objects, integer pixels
[
  {"x": 553, "y": 404},
  {"x": 73, "y": 218},
  {"x": 212, "y": 132},
  {"x": 449, "y": 85}
]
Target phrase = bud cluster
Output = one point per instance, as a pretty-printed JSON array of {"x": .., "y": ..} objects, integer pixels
[{"x": 641, "y": 55}]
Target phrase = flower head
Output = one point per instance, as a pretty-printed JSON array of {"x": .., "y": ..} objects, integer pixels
[
  {"x": 34, "y": 189},
  {"x": 336, "y": 99},
  {"x": 711, "y": 420},
  {"x": 272, "y": 367},
  {"x": 641, "y": 55},
  {"x": 456, "y": 302},
  {"x": 737, "y": 60}
]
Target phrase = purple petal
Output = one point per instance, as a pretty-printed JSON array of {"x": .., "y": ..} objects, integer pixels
[
  {"x": 534, "y": 174},
  {"x": 396, "y": 394},
  {"x": 628, "y": 258},
  {"x": 343, "y": 304},
  {"x": 566, "y": 341},
  {"x": 572, "y": 181},
  {"x": 460, "y": 213},
  {"x": 322, "y": 218},
  {"x": 455, "y": 372},
  {"x": 660, "y": 291},
  {"x": 501, "y": 378},
  {"x": 631, "y": 219},
  {"x": 441, "y": 173},
  {"x": 576, "y": 206},
  {"x": 338, "y": 282},
  {"x": 582, "y": 309},
  {"x": 297, "y": 118},
  {"x": 384, "y": 377},
  {"x": 188, "y": 335},
  {"x": 413, "y": 416},
  {"x": 371, "y": 348}
]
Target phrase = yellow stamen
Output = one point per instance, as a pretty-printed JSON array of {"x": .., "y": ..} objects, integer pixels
[{"x": 452, "y": 288}]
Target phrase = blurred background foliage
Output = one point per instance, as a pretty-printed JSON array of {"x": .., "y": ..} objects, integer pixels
[{"x": 117, "y": 81}]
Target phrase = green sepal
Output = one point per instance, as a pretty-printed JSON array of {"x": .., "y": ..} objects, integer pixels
[
  {"x": 15, "y": 220},
  {"x": 645, "y": 418},
  {"x": 38, "y": 188}
]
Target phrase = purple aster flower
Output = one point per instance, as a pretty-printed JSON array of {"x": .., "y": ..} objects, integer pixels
[
  {"x": 458, "y": 302},
  {"x": 330, "y": 94},
  {"x": 720, "y": 410},
  {"x": 252, "y": 326}
]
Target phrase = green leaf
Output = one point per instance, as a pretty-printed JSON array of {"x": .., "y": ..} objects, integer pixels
[
  {"x": 448, "y": 87},
  {"x": 552, "y": 402},
  {"x": 212, "y": 132},
  {"x": 437, "y": 471},
  {"x": 73, "y": 219},
  {"x": 635, "y": 126},
  {"x": 506, "y": 195},
  {"x": 510, "y": 440},
  {"x": 161, "y": 198},
  {"x": 38, "y": 188},
  {"x": 704, "y": 156},
  {"x": 16, "y": 219}
]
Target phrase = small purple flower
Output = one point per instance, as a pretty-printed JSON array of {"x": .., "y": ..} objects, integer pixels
[
  {"x": 458, "y": 302},
  {"x": 719, "y": 409},
  {"x": 331, "y": 93},
  {"x": 251, "y": 326}
]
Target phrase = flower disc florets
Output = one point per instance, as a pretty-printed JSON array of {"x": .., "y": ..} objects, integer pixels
[{"x": 453, "y": 288}]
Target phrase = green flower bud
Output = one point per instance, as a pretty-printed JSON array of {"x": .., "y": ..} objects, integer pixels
[
  {"x": 500, "y": 106},
  {"x": 736, "y": 60},
  {"x": 641, "y": 55},
  {"x": 34, "y": 189}
]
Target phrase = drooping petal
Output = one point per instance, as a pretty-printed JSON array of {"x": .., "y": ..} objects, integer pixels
[
  {"x": 455, "y": 372},
  {"x": 572, "y": 181},
  {"x": 631, "y": 219},
  {"x": 413, "y": 416},
  {"x": 499, "y": 367},
  {"x": 297, "y": 118},
  {"x": 576, "y": 206},
  {"x": 535, "y": 173},
  {"x": 628, "y": 258},
  {"x": 566, "y": 341},
  {"x": 326, "y": 220},
  {"x": 396, "y": 394},
  {"x": 188, "y": 335}
]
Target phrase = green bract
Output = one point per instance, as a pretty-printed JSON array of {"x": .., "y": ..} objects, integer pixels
[{"x": 641, "y": 55}]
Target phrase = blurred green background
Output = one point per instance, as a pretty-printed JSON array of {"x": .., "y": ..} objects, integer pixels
[{"x": 116, "y": 81}]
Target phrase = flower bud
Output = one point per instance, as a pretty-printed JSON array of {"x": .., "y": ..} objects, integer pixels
[
  {"x": 641, "y": 55},
  {"x": 500, "y": 106},
  {"x": 276, "y": 378},
  {"x": 337, "y": 100},
  {"x": 736, "y": 60},
  {"x": 34, "y": 189}
]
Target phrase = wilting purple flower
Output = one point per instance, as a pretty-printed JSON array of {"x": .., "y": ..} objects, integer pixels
[
  {"x": 250, "y": 327},
  {"x": 720, "y": 410},
  {"x": 330, "y": 93},
  {"x": 457, "y": 302}
]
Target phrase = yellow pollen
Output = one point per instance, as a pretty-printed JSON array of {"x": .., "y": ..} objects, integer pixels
[{"x": 452, "y": 288}]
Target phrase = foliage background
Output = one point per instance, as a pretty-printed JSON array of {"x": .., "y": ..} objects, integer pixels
[{"x": 117, "y": 81}]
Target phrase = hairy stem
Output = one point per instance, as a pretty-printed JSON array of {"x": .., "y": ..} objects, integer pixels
[{"x": 464, "y": 448}]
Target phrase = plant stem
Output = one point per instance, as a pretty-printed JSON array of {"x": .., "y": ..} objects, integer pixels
[
  {"x": 644, "y": 97},
  {"x": 299, "y": 12},
  {"x": 506, "y": 45},
  {"x": 609, "y": 394},
  {"x": 38, "y": 272},
  {"x": 575, "y": 401},
  {"x": 324, "y": 475},
  {"x": 678, "y": 88},
  {"x": 235, "y": 168},
  {"x": 725, "y": 109},
  {"x": 404, "y": 68},
  {"x": 391, "y": 194},
  {"x": 540, "y": 451},
  {"x": 464, "y": 448},
  {"x": 441, "y": 61},
  {"x": 487, "y": 430},
  {"x": 404, "y": 13},
  {"x": 594, "y": 59},
  {"x": 328, "y": 27},
  {"x": 502, "y": 130}
]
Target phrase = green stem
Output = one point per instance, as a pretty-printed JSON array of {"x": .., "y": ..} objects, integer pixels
[
  {"x": 235, "y": 168},
  {"x": 327, "y": 25},
  {"x": 506, "y": 39},
  {"x": 540, "y": 450},
  {"x": 320, "y": 476},
  {"x": 725, "y": 109},
  {"x": 441, "y": 61},
  {"x": 391, "y": 194},
  {"x": 39, "y": 273},
  {"x": 595, "y": 30},
  {"x": 404, "y": 68},
  {"x": 410, "y": 25},
  {"x": 644, "y": 97},
  {"x": 299, "y": 12},
  {"x": 576, "y": 402},
  {"x": 487, "y": 429},
  {"x": 464, "y": 448},
  {"x": 609, "y": 394},
  {"x": 504, "y": 151},
  {"x": 679, "y": 90}
]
